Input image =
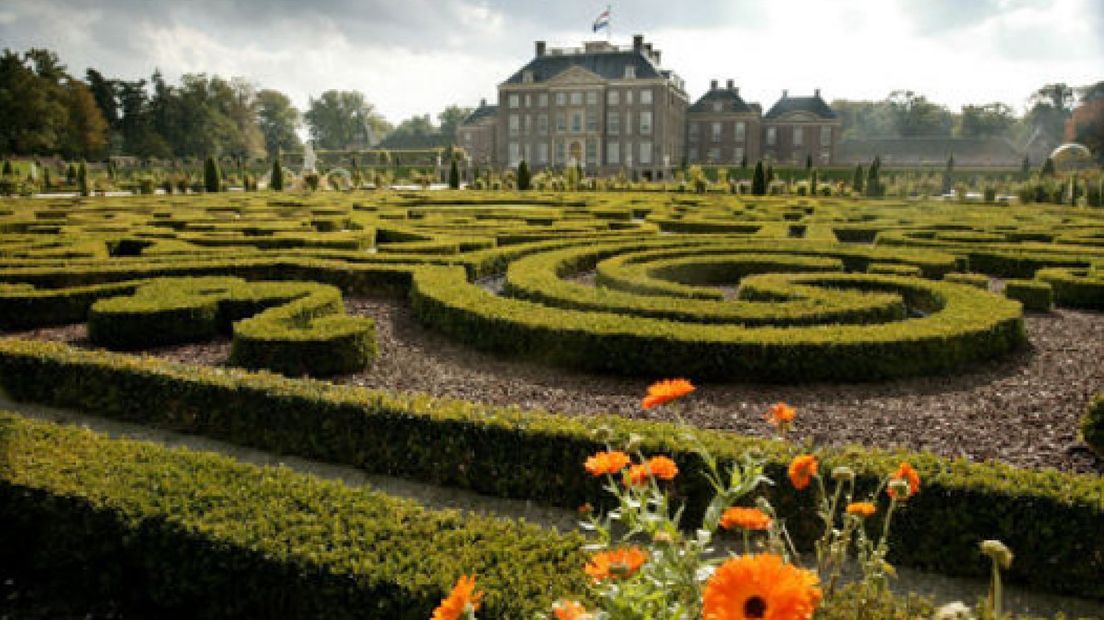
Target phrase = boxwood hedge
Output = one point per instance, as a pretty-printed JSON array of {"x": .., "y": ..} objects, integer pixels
[
  {"x": 178, "y": 534},
  {"x": 1045, "y": 516}
]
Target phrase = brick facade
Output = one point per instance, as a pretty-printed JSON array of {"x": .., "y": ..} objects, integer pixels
[{"x": 612, "y": 109}]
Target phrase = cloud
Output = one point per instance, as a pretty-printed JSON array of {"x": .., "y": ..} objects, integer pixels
[{"x": 418, "y": 56}]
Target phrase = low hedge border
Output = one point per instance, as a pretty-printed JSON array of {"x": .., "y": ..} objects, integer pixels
[
  {"x": 295, "y": 328},
  {"x": 1035, "y": 296},
  {"x": 1046, "y": 516},
  {"x": 976, "y": 280},
  {"x": 968, "y": 327},
  {"x": 1075, "y": 288},
  {"x": 174, "y": 533}
]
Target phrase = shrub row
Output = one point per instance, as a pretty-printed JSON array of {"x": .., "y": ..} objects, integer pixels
[
  {"x": 976, "y": 280},
  {"x": 1075, "y": 288},
  {"x": 293, "y": 328},
  {"x": 965, "y": 327},
  {"x": 1045, "y": 516},
  {"x": 173, "y": 533},
  {"x": 1035, "y": 296}
]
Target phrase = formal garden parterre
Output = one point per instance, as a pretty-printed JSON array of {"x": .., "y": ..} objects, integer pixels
[{"x": 773, "y": 293}]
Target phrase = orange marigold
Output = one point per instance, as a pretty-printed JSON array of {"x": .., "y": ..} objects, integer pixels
[
  {"x": 745, "y": 518},
  {"x": 460, "y": 601},
  {"x": 570, "y": 610},
  {"x": 781, "y": 413},
  {"x": 863, "y": 509},
  {"x": 762, "y": 587},
  {"x": 615, "y": 563},
  {"x": 607, "y": 463},
  {"x": 662, "y": 392},
  {"x": 658, "y": 467},
  {"x": 908, "y": 474},
  {"x": 802, "y": 470}
]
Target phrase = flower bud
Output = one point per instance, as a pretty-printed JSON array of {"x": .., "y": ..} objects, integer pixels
[
  {"x": 663, "y": 537},
  {"x": 843, "y": 474},
  {"x": 899, "y": 488},
  {"x": 633, "y": 443},
  {"x": 997, "y": 550}
]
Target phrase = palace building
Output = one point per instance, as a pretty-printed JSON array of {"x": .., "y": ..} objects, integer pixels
[{"x": 610, "y": 108}]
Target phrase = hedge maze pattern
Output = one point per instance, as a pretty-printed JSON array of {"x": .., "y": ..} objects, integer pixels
[{"x": 711, "y": 287}]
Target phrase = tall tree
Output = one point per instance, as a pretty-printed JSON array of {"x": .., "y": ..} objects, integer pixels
[
  {"x": 1050, "y": 106},
  {"x": 339, "y": 119},
  {"x": 32, "y": 102},
  {"x": 1086, "y": 123},
  {"x": 86, "y": 130},
  {"x": 982, "y": 121},
  {"x": 278, "y": 120},
  {"x": 449, "y": 119},
  {"x": 914, "y": 115}
]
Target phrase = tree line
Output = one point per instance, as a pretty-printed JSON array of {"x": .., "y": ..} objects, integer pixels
[
  {"x": 46, "y": 110},
  {"x": 1058, "y": 110}
]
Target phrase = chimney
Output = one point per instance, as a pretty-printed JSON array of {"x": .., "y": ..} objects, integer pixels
[
  {"x": 540, "y": 49},
  {"x": 638, "y": 42},
  {"x": 655, "y": 55},
  {"x": 730, "y": 84},
  {"x": 785, "y": 93},
  {"x": 483, "y": 102},
  {"x": 648, "y": 48},
  {"x": 712, "y": 84},
  {"x": 736, "y": 91},
  {"x": 816, "y": 93}
]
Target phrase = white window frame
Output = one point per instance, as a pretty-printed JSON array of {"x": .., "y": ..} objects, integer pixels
[
  {"x": 613, "y": 152},
  {"x": 772, "y": 136},
  {"x": 645, "y": 122},
  {"x": 613, "y": 97},
  {"x": 645, "y": 96},
  {"x": 799, "y": 136},
  {"x": 514, "y": 100},
  {"x": 741, "y": 131},
  {"x": 646, "y": 153}
]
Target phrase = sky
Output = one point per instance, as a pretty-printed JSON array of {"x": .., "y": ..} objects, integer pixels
[{"x": 418, "y": 56}]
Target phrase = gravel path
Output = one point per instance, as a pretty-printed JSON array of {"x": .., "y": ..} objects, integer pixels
[{"x": 1022, "y": 410}]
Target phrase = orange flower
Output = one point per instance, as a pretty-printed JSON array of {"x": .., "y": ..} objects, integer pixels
[
  {"x": 760, "y": 586},
  {"x": 658, "y": 466},
  {"x": 745, "y": 518},
  {"x": 662, "y": 392},
  {"x": 802, "y": 470},
  {"x": 908, "y": 474},
  {"x": 615, "y": 563},
  {"x": 863, "y": 509},
  {"x": 570, "y": 610},
  {"x": 460, "y": 601},
  {"x": 606, "y": 463},
  {"x": 781, "y": 413}
]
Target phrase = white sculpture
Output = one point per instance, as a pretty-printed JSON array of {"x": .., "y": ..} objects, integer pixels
[{"x": 309, "y": 158}]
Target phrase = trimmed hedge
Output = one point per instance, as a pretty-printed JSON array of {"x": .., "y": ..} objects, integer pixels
[
  {"x": 294, "y": 328},
  {"x": 174, "y": 533},
  {"x": 1092, "y": 425},
  {"x": 963, "y": 327},
  {"x": 1034, "y": 295},
  {"x": 505, "y": 452},
  {"x": 1075, "y": 288},
  {"x": 539, "y": 278},
  {"x": 976, "y": 280}
]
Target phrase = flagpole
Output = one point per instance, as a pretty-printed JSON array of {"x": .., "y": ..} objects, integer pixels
[{"x": 609, "y": 26}]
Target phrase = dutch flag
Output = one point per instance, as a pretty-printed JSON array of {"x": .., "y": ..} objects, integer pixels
[{"x": 603, "y": 20}]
